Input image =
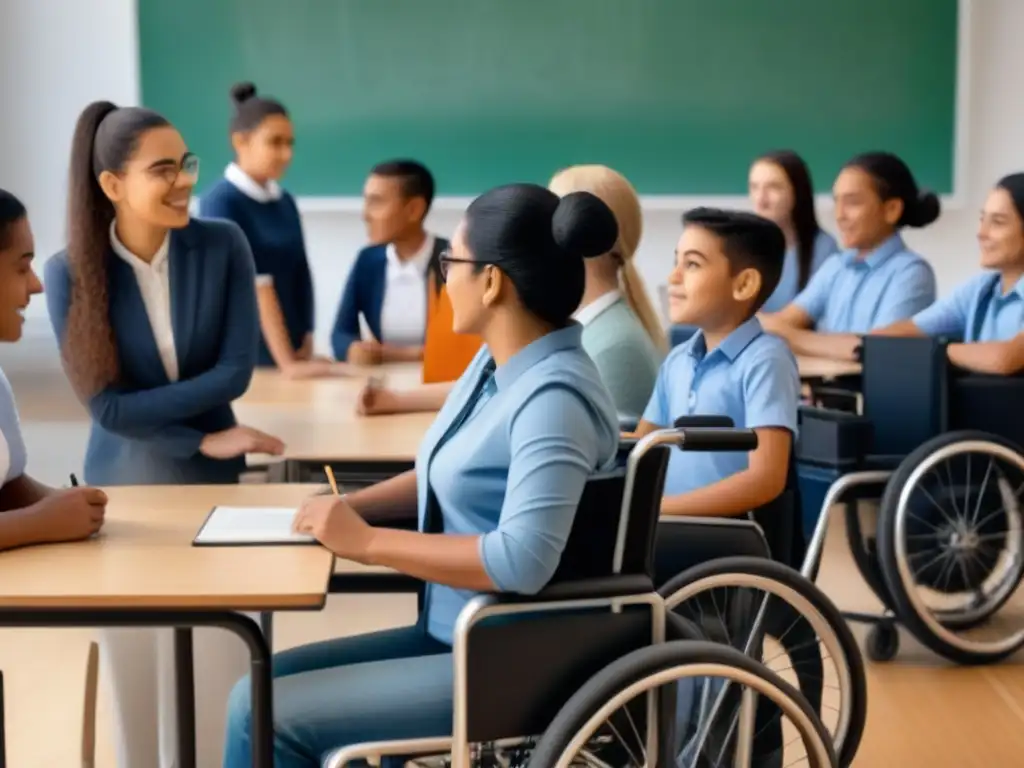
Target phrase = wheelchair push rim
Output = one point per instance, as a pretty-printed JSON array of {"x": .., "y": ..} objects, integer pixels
[
  {"x": 960, "y": 540},
  {"x": 812, "y": 605},
  {"x": 644, "y": 672}
]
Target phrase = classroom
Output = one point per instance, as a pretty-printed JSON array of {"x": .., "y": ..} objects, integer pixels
[{"x": 441, "y": 383}]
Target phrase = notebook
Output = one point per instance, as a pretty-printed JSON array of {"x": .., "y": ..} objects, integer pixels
[{"x": 254, "y": 526}]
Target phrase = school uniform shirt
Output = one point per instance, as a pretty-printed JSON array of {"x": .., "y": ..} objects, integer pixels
[
  {"x": 389, "y": 294},
  {"x": 13, "y": 457},
  {"x": 624, "y": 354},
  {"x": 507, "y": 459},
  {"x": 751, "y": 377},
  {"x": 977, "y": 310},
  {"x": 271, "y": 222},
  {"x": 789, "y": 282},
  {"x": 147, "y": 427},
  {"x": 849, "y": 294}
]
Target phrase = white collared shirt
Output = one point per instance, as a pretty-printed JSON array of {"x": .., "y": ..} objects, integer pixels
[
  {"x": 585, "y": 315},
  {"x": 403, "y": 317},
  {"x": 248, "y": 186},
  {"x": 154, "y": 281}
]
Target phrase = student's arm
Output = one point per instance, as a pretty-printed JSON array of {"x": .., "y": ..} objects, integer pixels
[
  {"x": 155, "y": 413},
  {"x": 22, "y": 491},
  {"x": 374, "y": 401},
  {"x": 393, "y": 353},
  {"x": 553, "y": 452},
  {"x": 1002, "y": 358},
  {"x": 346, "y": 322},
  {"x": 771, "y": 395},
  {"x": 910, "y": 292}
]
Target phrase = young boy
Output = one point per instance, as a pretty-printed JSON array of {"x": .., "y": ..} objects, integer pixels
[
  {"x": 388, "y": 284},
  {"x": 727, "y": 265},
  {"x": 987, "y": 312}
]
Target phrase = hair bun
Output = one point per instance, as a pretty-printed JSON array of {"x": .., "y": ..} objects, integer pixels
[
  {"x": 925, "y": 211},
  {"x": 584, "y": 226},
  {"x": 242, "y": 92}
]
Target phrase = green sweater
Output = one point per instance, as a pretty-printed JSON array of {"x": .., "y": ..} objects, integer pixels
[{"x": 625, "y": 356}]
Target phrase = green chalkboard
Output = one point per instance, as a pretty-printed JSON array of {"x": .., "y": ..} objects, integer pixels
[{"x": 679, "y": 95}]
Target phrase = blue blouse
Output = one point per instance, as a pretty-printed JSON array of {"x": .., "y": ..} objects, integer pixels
[{"x": 507, "y": 459}]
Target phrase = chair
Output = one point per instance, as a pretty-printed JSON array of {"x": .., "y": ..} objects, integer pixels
[{"x": 600, "y": 605}]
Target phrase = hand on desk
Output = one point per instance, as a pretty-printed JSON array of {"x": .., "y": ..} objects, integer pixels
[
  {"x": 366, "y": 353},
  {"x": 238, "y": 441},
  {"x": 69, "y": 515},
  {"x": 375, "y": 400},
  {"x": 332, "y": 522}
]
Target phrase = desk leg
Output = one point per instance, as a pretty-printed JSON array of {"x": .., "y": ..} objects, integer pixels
[{"x": 185, "y": 696}]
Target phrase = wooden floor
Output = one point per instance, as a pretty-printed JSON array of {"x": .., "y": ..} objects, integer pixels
[{"x": 921, "y": 712}]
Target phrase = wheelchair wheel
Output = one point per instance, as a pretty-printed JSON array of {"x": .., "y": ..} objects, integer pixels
[
  {"x": 801, "y": 630},
  {"x": 698, "y": 723},
  {"x": 951, "y": 546}
]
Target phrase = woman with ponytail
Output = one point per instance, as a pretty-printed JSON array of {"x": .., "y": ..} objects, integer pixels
[
  {"x": 155, "y": 314},
  {"x": 621, "y": 330}
]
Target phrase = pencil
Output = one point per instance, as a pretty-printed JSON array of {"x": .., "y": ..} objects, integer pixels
[{"x": 330, "y": 479}]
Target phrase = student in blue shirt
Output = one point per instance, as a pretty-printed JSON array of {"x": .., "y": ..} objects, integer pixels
[
  {"x": 389, "y": 281},
  {"x": 496, "y": 483},
  {"x": 30, "y": 512},
  {"x": 877, "y": 280},
  {"x": 155, "y": 315},
  {"x": 250, "y": 195},
  {"x": 781, "y": 191},
  {"x": 986, "y": 313},
  {"x": 727, "y": 265}
]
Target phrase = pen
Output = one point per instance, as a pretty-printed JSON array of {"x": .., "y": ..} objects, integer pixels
[
  {"x": 330, "y": 479},
  {"x": 74, "y": 480}
]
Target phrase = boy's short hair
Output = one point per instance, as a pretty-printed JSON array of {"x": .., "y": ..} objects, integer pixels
[
  {"x": 414, "y": 178},
  {"x": 749, "y": 241}
]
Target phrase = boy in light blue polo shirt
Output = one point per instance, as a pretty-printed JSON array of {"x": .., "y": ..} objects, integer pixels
[
  {"x": 986, "y": 313},
  {"x": 727, "y": 265},
  {"x": 877, "y": 280}
]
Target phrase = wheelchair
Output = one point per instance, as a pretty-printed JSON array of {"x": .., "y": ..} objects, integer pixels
[
  {"x": 604, "y": 666},
  {"x": 941, "y": 451}
]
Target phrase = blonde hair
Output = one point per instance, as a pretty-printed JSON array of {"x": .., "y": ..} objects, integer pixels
[{"x": 618, "y": 194}]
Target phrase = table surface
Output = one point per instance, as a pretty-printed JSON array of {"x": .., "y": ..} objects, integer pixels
[
  {"x": 144, "y": 558},
  {"x": 317, "y": 419}
]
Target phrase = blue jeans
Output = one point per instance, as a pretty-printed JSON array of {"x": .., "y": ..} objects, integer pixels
[{"x": 381, "y": 686}]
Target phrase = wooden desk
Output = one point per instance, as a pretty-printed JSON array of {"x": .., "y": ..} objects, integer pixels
[
  {"x": 142, "y": 570},
  {"x": 824, "y": 369},
  {"x": 319, "y": 425}
]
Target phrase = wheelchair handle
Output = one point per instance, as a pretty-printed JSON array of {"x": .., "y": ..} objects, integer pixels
[{"x": 708, "y": 439}]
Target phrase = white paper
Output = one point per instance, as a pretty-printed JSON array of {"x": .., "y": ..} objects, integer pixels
[{"x": 251, "y": 525}]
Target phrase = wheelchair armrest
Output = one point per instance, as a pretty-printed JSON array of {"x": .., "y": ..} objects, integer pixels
[
  {"x": 583, "y": 589},
  {"x": 833, "y": 438},
  {"x": 628, "y": 422},
  {"x": 705, "y": 420}
]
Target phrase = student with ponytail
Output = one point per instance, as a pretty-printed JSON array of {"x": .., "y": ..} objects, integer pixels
[
  {"x": 877, "y": 280},
  {"x": 155, "y": 314},
  {"x": 621, "y": 330},
  {"x": 250, "y": 195}
]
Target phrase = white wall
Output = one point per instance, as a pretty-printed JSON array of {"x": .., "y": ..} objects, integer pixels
[{"x": 57, "y": 55}]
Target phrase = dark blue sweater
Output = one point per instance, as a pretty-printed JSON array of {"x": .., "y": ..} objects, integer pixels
[{"x": 274, "y": 232}]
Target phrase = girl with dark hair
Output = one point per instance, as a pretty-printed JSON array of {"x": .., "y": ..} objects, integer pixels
[
  {"x": 877, "y": 280},
  {"x": 155, "y": 314},
  {"x": 496, "y": 483},
  {"x": 985, "y": 314},
  {"x": 30, "y": 512},
  {"x": 781, "y": 191},
  {"x": 250, "y": 195}
]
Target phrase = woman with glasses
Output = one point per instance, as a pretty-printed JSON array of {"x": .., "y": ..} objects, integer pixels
[
  {"x": 155, "y": 314},
  {"x": 496, "y": 483}
]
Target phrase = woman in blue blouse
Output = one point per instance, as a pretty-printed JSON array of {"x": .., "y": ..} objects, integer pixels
[
  {"x": 500, "y": 473},
  {"x": 781, "y": 191},
  {"x": 156, "y": 319},
  {"x": 250, "y": 195},
  {"x": 30, "y": 512}
]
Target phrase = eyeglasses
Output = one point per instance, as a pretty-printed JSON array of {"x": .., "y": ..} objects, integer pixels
[
  {"x": 446, "y": 259},
  {"x": 168, "y": 171}
]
